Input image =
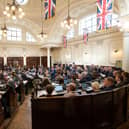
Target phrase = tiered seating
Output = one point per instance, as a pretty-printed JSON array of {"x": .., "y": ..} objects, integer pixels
[
  {"x": 1, "y": 113},
  {"x": 102, "y": 110},
  {"x": 9, "y": 101}
]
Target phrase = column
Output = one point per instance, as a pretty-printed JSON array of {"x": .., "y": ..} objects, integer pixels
[
  {"x": 5, "y": 55},
  {"x": 48, "y": 57},
  {"x": 40, "y": 60},
  {"x": 24, "y": 56},
  {"x": 5, "y": 60},
  {"x": 126, "y": 52},
  {"x": 24, "y": 60}
]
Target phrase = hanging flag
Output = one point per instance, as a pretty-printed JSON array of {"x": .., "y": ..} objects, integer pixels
[
  {"x": 65, "y": 41},
  {"x": 104, "y": 14},
  {"x": 85, "y": 35},
  {"x": 50, "y": 8}
]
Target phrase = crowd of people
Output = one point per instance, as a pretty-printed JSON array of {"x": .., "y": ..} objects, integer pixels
[{"x": 71, "y": 77}]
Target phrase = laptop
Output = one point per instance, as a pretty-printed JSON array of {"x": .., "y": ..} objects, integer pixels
[{"x": 59, "y": 88}]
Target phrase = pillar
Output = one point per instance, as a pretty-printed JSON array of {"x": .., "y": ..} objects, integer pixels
[
  {"x": 40, "y": 60},
  {"x": 48, "y": 57},
  {"x": 5, "y": 60},
  {"x": 24, "y": 60},
  {"x": 126, "y": 52}
]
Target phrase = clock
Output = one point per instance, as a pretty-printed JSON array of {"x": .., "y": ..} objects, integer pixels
[{"x": 22, "y": 2}]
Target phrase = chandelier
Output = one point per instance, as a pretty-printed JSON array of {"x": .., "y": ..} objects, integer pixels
[
  {"x": 13, "y": 10},
  {"x": 69, "y": 22},
  {"x": 3, "y": 30},
  {"x": 42, "y": 35}
]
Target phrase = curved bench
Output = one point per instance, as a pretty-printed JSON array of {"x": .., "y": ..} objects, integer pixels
[{"x": 103, "y": 110}]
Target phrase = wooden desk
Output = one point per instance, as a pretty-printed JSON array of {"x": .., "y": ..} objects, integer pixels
[
  {"x": 12, "y": 101},
  {"x": 1, "y": 111}
]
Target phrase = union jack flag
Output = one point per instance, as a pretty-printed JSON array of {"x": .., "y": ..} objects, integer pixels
[
  {"x": 65, "y": 41},
  {"x": 85, "y": 35},
  {"x": 50, "y": 7},
  {"x": 104, "y": 14}
]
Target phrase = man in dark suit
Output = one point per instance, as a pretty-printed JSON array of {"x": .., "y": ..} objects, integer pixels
[{"x": 108, "y": 83}]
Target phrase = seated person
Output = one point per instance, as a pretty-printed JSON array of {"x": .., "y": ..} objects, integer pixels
[
  {"x": 49, "y": 89},
  {"x": 71, "y": 90},
  {"x": 74, "y": 80},
  {"x": 95, "y": 86},
  {"x": 108, "y": 83},
  {"x": 45, "y": 82},
  {"x": 118, "y": 80},
  {"x": 83, "y": 77},
  {"x": 125, "y": 76},
  {"x": 61, "y": 81}
]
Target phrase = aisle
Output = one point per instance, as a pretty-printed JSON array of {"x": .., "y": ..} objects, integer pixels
[{"x": 22, "y": 119}]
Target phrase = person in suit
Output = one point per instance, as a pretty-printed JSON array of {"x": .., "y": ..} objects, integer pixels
[
  {"x": 74, "y": 80},
  {"x": 108, "y": 83},
  {"x": 125, "y": 76},
  {"x": 118, "y": 80},
  {"x": 49, "y": 89},
  {"x": 45, "y": 82},
  {"x": 71, "y": 90}
]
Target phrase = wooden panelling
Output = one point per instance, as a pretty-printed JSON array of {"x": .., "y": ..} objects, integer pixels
[
  {"x": 15, "y": 61},
  {"x": 1, "y": 62},
  {"x": 44, "y": 61},
  {"x": 33, "y": 61}
]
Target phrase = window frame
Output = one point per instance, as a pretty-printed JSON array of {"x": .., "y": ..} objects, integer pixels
[{"x": 14, "y": 34}]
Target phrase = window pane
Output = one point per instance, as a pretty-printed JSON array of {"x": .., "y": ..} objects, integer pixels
[
  {"x": 89, "y": 23},
  {"x": 13, "y": 38},
  {"x": 29, "y": 37},
  {"x": 14, "y": 34},
  {"x": 8, "y": 32},
  {"x": 19, "y": 38},
  {"x": 8, "y": 38},
  {"x": 19, "y": 34},
  {"x": 70, "y": 34}
]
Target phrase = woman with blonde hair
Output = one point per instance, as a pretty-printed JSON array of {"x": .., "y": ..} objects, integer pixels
[{"x": 95, "y": 86}]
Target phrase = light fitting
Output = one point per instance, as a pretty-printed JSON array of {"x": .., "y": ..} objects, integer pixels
[
  {"x": 42, "y": 35},
  {"x": 4, "y": 30},
  {"x": 69, "y": 22},
  {"x": 116, "y": 51},
  {"x": 13, "y": 10}
]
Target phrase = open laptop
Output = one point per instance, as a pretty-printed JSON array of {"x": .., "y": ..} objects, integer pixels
[{"x": 59, "y": 88}]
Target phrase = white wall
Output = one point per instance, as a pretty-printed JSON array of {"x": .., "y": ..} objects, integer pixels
[
  {"x": 21, "y": 51},
  {"x": 99, "y": 50}
]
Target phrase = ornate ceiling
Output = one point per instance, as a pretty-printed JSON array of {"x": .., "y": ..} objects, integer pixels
[{"x": 78, "y": 9}]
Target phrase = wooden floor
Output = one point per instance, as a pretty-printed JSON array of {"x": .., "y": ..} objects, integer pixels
[{"x": 22, "y": 119}]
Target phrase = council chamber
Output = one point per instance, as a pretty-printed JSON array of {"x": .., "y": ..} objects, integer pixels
[{"x": 64, "y": 64}]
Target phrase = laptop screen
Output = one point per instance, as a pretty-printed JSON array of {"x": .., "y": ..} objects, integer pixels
[{"x": 58, "y": 88}]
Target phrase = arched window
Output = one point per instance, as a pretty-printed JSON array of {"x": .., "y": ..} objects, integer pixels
[
  {"x": 70, "y": 34},
  {"x": 29, "y": 37},
  {"x": 14, "y": 34}
]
